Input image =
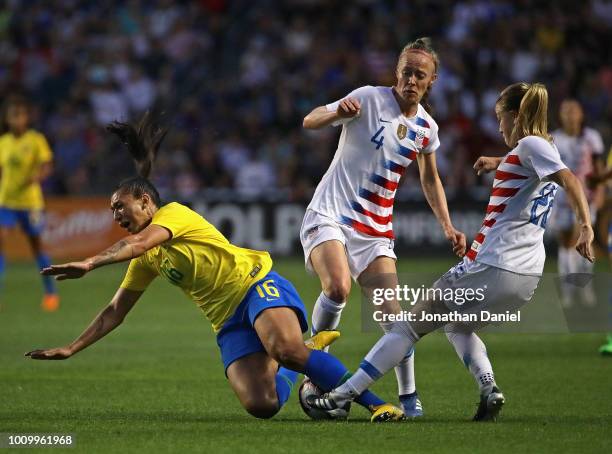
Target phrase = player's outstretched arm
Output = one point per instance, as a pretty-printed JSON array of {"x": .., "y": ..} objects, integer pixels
[
  {"x": 128, "y": 248},
  {"x": 568, "y": 181},
  {"x": 485, "y": 164},
  {"x": 321, "y": 117},
  {"x": 106, "y": 321},
  {"x": 434, "y": 193}
]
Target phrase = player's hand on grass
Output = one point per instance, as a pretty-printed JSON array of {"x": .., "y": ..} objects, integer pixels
[
  {"x": 348, "y": 108},
  {"x": 72, "y": 270},
  {"x": 584, "y": 245},
  {"x": 51, "y": 353},
  {"x": 486, "y": 164},
  {"x": 458, "y": 241}
]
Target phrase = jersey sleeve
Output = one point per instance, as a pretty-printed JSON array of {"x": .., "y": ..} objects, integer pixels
[
  {"x": 543, "y": 158},
  {"x": 596, "y": 142},
  {"x": 44, "y": 151},
  {"x": 174, "y": 218},
  {"x": 362, "y": 94},
  {"x": 138, "y": 276},
  {"x": 434, "y": 140}
]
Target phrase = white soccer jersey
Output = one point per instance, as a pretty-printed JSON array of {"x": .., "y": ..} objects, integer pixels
[
  {"x": 373, "y": 152},
  {"x": 577, "y": 153},
  {"x": 511, "y": 236}
]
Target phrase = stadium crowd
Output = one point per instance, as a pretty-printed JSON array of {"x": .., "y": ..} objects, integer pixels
[{"x": 234, "y": 80}]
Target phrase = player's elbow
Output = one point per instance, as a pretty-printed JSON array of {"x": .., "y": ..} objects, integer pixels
[{"x": 308, "y": 122}]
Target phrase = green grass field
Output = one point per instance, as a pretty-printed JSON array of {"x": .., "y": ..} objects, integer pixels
[{"x": 157, "y": 384}]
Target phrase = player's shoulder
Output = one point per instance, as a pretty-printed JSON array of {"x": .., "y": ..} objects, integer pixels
[
  {"x": 34, "y": 134},
  {"x": 174, "y": 208},
  {"x": 367, "y": 92},
  {"x": 591, "y": 134},
  {"x": 535, "y": 144},
  {"x": 425, "y": 119}
]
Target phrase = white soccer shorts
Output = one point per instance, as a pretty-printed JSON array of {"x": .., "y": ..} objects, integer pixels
[{"x": 361, "y": 249}]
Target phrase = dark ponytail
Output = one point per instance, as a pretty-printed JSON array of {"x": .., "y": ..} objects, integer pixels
[{"x": 142, "y": 141}]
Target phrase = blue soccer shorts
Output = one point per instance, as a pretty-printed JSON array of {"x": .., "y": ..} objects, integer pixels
[
  {"x": 31, "y": 221},
  {"x": 238, "y": 337}
]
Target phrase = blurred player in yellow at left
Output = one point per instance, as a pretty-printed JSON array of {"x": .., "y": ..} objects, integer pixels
[{"x": 25, "y": 161}]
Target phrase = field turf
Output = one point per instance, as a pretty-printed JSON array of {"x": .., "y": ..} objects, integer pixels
[{"x": 156, "y": 384}]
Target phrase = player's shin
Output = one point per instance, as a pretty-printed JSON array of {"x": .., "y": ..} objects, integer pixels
[
  {"x": 327, "y": 372},
  {"x": 285, "y": 379},
  {"x": 326, "y": 314},
  {"x": 472, "y": 351},
  {"x": 386, "y": 353}
]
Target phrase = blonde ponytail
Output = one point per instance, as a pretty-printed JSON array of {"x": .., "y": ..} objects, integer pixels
[{"x": 530, "y": 102}]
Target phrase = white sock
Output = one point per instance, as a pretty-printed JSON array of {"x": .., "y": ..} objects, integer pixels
[
  {"x": 565, "y": 267},
  {"x": 579, "y": 263},
  {"x": 404, "y": 371},
  {"x": 473, "y": 353},
  {"x": 326, "y": 314},
  {"x": 563, "y": 264},
  {"x": 386, "y": 354}
]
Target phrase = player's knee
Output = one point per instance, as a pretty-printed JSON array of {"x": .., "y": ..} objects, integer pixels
[
  {"x": 262, "y": 407},
  {"x": 290, "y": 355},
  {"x": 338, "y": 290}
]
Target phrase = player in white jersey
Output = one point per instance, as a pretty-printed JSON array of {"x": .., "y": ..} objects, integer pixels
[
  {"x": 581, "y": 149},
  {"x": 347, "y": 230},
  {"x": 505, "y": 261}
]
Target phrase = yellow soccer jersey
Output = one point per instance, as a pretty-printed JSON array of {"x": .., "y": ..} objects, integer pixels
[
  {"x": 20, "y": 159},
  {"x": 201, "y": 261}
]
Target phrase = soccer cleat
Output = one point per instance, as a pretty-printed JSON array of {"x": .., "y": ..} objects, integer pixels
[
  {"x": 386, "y": 413},
  {"x": 606, "y": 349},
  {"x": 50, "y": 302},
  {"x": 490, "y": 405},
  {"x": 321, "y": 340},
  {"x": 411, "y": 404},
  {"x": 335, "y": 404}
]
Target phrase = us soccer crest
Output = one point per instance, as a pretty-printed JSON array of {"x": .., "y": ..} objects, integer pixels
[
  {"x": 401, "y": 131},
  {"x": 419, "y": 137}
]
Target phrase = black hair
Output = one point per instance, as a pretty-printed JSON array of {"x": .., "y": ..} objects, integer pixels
[
  {"x": 142, "y": 141},
  {"x": 423, "y": 44},
  {"x": 19, "y": 100}
]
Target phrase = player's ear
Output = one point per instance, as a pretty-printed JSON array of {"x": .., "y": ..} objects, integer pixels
[{"x": 145, "y": 200}]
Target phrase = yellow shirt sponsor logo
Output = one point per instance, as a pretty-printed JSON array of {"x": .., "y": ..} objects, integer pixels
[{"x": 214, "y": 273}]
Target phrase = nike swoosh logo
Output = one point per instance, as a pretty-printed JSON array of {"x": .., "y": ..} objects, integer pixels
[{"x": 384, "y": 121}]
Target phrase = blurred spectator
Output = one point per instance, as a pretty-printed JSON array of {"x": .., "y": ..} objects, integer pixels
[{"x": 235, "y": 79}]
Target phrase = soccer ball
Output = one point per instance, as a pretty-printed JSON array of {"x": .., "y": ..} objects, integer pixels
[{"x": 308, "y": 388}]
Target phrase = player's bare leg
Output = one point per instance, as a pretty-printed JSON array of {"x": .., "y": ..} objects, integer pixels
[
  {"x": 253, "y": 380},
  {"x": 3, "y": 235},
  {"x": 330, "y": 263},
  {"x": 50, "y": 301},
  {"x": 279, "y": 331},
  {"x": 382, "y": 273}
]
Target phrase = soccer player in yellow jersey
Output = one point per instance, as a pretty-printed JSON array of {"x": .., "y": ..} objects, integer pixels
[
  {"x": 25, "y": 160},
  {"x": 257, "y": 314}
]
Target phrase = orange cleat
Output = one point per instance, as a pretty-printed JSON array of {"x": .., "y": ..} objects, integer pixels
[{"x": 50, "y": 302}]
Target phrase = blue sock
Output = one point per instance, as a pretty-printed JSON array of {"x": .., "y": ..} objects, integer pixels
[
  {"x": 43, "y": 261},
  {"x": 327, "y": 372},
  {"x": 285, "y": 379}
]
